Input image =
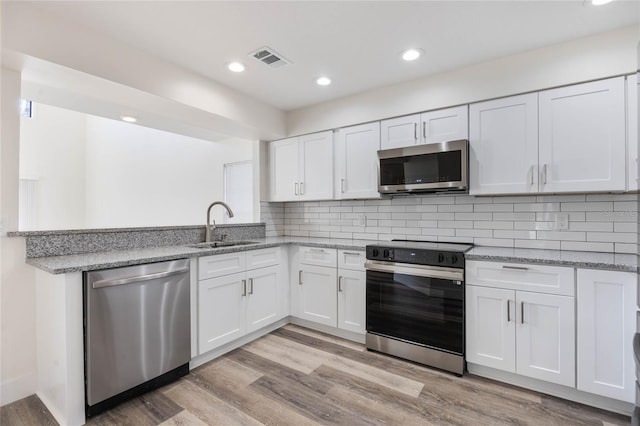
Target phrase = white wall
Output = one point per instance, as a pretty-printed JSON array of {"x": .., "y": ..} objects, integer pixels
[
  {"x": 52, "y": 150},
  {"x": 17, "y": 280},
  {"x": 589, "y": 58}
]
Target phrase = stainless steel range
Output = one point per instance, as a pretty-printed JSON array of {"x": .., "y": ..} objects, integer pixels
[{"x": 415, "y": 302}]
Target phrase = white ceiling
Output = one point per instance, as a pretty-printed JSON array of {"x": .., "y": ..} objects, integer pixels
[{"x": 356, "y": 43}]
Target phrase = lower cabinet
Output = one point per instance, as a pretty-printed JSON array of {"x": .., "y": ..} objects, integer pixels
[
  {"x": 606, "y": 325},
  {"x": 352, "y": 291},
  {"x": 317, "y": 294},
  {"x": 230, "y": 306},
  {"x": 531, "y": 333}
]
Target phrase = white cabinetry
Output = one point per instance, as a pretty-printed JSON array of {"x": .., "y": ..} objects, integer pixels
[
  {"x": 315, "y": 295},
  {"x": 301, "y": 168},
  {"x": 356, "y": 159},
  {"x": 569, "y": 139},
  {"x": 606, "y": 324},
  {"x": 429, "y": 127},
  {"x": 351, "y": 291},
  {"x": 521, "y": 319},
  {"x": 231, "y": 303},
  {"x": 633, "y": 85}
]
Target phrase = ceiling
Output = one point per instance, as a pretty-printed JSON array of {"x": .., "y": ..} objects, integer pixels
[{"x": 356, "y": 43}]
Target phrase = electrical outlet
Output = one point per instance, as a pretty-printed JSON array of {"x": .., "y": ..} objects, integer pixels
[
  {"x": 362, "y": 220},
  {"x": 562, "y": 221}
]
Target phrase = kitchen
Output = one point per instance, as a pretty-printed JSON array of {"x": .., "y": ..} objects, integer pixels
[{"x": 607, "y": 219}]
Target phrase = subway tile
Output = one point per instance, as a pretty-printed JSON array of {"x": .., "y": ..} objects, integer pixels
[
  {"x": 405, "y": 201},
  {"x": 378, "y": 229},
  {"x": 551, "y": 216},
  {"x": 469, "y": 199},
  {"x": 455, "y": 224},
  {"x": 493, "y": 207},
  {"x": 612, "y": 197},
  {"x": 381, "y": 202},
  {"x": 295, "y": 233},
  {"x": 591, "y": 226},
  {"x": 536, "y": 207},
  {"x": 473, "y": 216},
  {"x": 353, "y": 203},
  {"x": 365, "y": 236},
  {"x": 479, "y": 233},
  {"x": 482, "y": 224},
  {"x": 612, "y": 237},
  {"x": 534, "y": 226},
  {"x": 625, "y": 227},
  {"x": 437, "y": 216},
  {"x": 631, "y": 206},
  {"x": 520, "y": 234},
  {"x": 560, "y": 198},
  {"x": 538, "y": 244},
  {"x": 521, "y": 216},
  {"x": 406, "y": 231},
  {"x": 351, "y": 228},
  {"x": 594, "y": 206},
  {"x": 428, "y": 224},
  {"x": 427, "y": 208},
  {"x": 438, "y": 231},
  {"x": 586, "y": 246},
  {"x": 515, "y": 199},
  {"x": 626, "y": 248},
  {"x": 493, "y": 242},
  {"x": 393, "y": 222},
  {"x": 319, "y": 234},
  {"x": 385, "y": 215},
  {"x": 438, "y": 200},
  {"x": 562, "y": 235},
  {"x": 450, "y": 208},
  {"x": 319, "y": 209},
  {"x": 341, "y": 235},
  {"x": 467, "y": 240},
  {"x": 392, "y": 209},
  {"x": 365, "y": 209},
  {"x": 341, "y": 209},
  {"x": 406, "y": 216},
  {"x": 611, "y": 216}
]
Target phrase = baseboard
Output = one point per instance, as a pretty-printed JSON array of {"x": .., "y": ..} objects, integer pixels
[
  {"x": 17, "y": 388},
  {"x": 334, "y": 331},
  {"x": 553, "y": 389}
]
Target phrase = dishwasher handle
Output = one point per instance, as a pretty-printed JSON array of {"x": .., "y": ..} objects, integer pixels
[{"x": 138, "y": 278}]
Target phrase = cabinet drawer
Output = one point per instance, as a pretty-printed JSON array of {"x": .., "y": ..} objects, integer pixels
[
  {"x": 222, "y": 264},
  {"x": 351, "y": 259},
  {"x": 263, "y": 258},
  {"x": 522, "y": 276},
  {"x": 318, "y": 256}
]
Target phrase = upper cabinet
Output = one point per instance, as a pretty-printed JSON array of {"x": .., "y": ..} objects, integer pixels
[
  {"x": 301, "y": 168},
  {"x": 429, "y": 127},
  {"x": 570, "y": 139},
  {"x": 632, "y": 131},
  {"x": 356, "y": 159},
  {"x": 503, "y": 157}
]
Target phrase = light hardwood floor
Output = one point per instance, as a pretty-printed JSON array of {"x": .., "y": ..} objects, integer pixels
[{"x": 296, "y": 376}]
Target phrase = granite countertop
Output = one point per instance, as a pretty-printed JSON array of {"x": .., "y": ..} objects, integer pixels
[{"x": 112, "y": 259}]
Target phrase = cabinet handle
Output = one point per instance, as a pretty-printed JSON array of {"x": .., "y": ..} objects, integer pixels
[
  {"x": 340, "y": 284},
  {"x": 250, "y": 286},
  {"x": 508, "y": 310},
  {"x": 517, "y": 268},
  {"x": 521, "y": 312},
  {"x": 544, "y": 174},
  {"x": 342, "y": 185},
  {"x": 424, "y": 130},
  {"x": 531, "y": 175},
  {"x": 244, "y": 287},
  {"x": 415, "y": 131},
  {"x": 317, "y": 250},
  {"x": 295, "y": 188},
  {"x": 352, "y": 253},
  {"x": 300, "y": 277},
  {"x": 301, "y": 188}
]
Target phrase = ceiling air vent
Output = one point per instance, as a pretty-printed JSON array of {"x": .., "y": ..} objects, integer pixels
[{"x": 270, "y": 57}]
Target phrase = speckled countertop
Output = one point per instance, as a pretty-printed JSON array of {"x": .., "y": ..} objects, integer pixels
[{"x": 112, "y": 259}]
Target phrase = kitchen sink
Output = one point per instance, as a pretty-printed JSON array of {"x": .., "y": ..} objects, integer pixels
[{"x": 218, "y": 244}]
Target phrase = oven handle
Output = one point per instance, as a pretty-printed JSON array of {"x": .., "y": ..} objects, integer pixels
[{"x": 417, "y": 270}]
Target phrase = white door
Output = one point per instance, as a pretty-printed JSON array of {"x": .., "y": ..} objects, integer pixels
[
  {"x": 491, "y": 327},
  {"x": 357, "y": 161},
  {"x": 582, "y": 137},
  {"x": 606, "y": 323},
  {"x": 317, "y": 294},
  {"x": 238, "y": 191},
  {"x": 352, "y": 300},
  {"x": 503, "y": 143},
  {"x": 221, "y": 311},
  {"x": 444, "y": 125},
  {"x": 262, "y": 297},
  {"x": 316, "y": 166},
  {"x": 283, "y": 170},
  {"x": 400, "y": 132},
  {"x": 633, "y": 86},
  {"x": 545, "y": 337}
]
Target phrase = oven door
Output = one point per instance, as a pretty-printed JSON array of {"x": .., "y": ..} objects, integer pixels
[{"x": 416, "y": 304}]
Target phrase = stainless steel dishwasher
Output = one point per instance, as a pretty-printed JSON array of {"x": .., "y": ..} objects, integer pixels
[{"x": 137, "y": 331}]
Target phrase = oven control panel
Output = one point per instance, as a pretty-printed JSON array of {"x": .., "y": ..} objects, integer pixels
[{"x": 416, "y": 256}]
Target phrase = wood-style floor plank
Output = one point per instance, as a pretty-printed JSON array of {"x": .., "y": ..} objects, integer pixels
[{"x": 300, "y": 377}]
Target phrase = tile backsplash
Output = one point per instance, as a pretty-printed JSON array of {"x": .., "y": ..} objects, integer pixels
[{"x": 594, "y": 222}]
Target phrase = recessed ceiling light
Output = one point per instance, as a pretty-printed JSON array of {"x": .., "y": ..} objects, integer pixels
[
  {"x": 323, "y": 81},
  {"x": 411, "y": 54},
  {"x": 128, "y": 118},
  {"x": 236, "y": 67},
  {"x": 599, "y": 2}
]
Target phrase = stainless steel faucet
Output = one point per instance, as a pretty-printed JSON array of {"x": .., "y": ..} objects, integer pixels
[{"x": 209, "y": 227}]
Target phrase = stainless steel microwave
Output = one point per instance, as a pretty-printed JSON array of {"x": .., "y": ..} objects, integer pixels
[{"x": 432, "y": 167}]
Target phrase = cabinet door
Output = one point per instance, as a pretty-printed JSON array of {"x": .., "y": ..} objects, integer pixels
[
  {"x": 357, "y": 161},
  {"x": 283, "y": 170},
  {"x": 632, "y": 131},
  {"x": 316, "y": 166},
  {"x": 447, "y": 124},
  {"x": 582, "y": 137},
  {"x": 353, "y": 260},
  {"x": 503, "y": 141},
  {"x": 400, "y": 132},
  {"x": 317, "y": 294},
  {"x": 545, "y": 337},
  {"x": 318, "y": 256},
  {"x": 490, "y": 327},
  {"x": 352, "y": 300},
  {"x": 221, "y": 311},
  {"x": 262, "y": 297},
  {"x": 606, "y": 325}
]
